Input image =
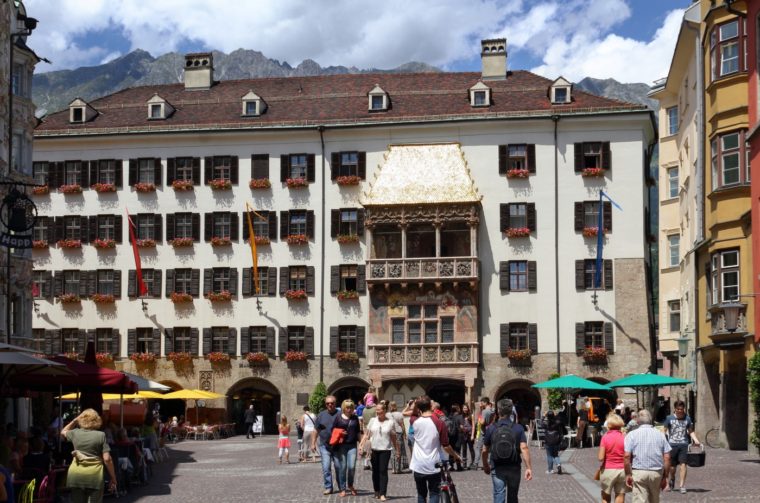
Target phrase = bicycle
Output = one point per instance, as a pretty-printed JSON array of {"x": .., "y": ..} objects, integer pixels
[
  {"x": 448, "y": 489},
  {"x": 712, "y": 438}
]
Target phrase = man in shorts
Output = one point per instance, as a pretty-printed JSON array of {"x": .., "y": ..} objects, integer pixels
[{"x": 679, "y": 429}]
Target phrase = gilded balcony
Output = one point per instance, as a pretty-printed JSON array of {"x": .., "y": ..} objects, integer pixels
[
  {"x": 423, "y": 269},
  {"x": 454, "y": 354}
]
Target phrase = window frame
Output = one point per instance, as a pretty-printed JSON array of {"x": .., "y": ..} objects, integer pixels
[
  {"x": 518, "y": 336},
  {"x": 298, "y": 166},
  {"x": 146, "y": 226},
  {"x": 590, "y": 152},
  {"x": 673, "y": 182},
  {"x": 591, "y": 210},
  {"x": 222, "y": 225},
  {"x": 183, "y": 225},
  {"x": 183, "y": 169},
  {"x": 220, "y": 340},
  {"x": 71, "y": 282},
  {"x": 182, "y": 340},
  {"x": 104, "y": 284},
  {"x": 257, "y": 339},
  {"x": 672, "y": 122},
  {"x": 183, "y": 277},
  {"x": 348, "y": 272},
  {"x": 41, "y": 172},
  {"x": 592, "y": 335},
  {"x": 297, "y": 277},
  {"x": 348, "y": 222},
  {"x": 349, "y": 164},
  {"x": 718, "y": 45},
  {"x": 674, "y": 250},
  {"x": 105, "y": 341},
  {"x": 69, "y": 336},
  {"x": 296, "y": 338},
  {"x": 72, "y": 172},
  {"x": 719, "y": 271},
  {"x": 518, "y": 275},
  {"x": 348, "y": 341},
  {"x": 674, "y": 315},
  {"x": 221, "y": 279},
  {"x": 517, "y": 215},
  {"x": 295, "y": 228},
  {"x": 222, "y": 167},
  {"x": 144, "y": 342}
]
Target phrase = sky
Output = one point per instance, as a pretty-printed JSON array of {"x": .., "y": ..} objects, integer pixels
[{"x": 628, "y": 40}]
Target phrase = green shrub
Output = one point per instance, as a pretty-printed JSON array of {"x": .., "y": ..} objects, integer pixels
[
  {"x": 555, "y": 396},
  {"x": 753, "y": 378},
  {"x": 317, "y": 398}
]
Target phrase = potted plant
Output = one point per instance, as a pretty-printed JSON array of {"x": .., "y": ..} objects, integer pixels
[
  {"x": 103, "y": 358},
  {"x": 348, "y": 295},
  {"x": 295, "y": 294},
  {"x": 103, "y": 187},
  {"x": 217, "y": 241},
  {"x": 104, "y": 244},
  {"x": 593, "y": 172},
  {"x": 518, "y": 232},
  {"x": 218, "y": 357},
  {"x": 146, "y": 243},
  {"x": 347, "y": 357},
  {"x": 262, "y": 240},
  {"x": 181, "y": 242},
  {"x": 595, "y": 355},
  {"x": 259, "y": 183},
  {"x": 182, "y": 185},
  {"x": 69, "y": 243},
  {"x": 348, "y": 238},
  {"x": 220, "y": 184},
  {"x": 296, "y": 356},
  {"x": 103, "y": 298},
  {"x": 41, "y": 190},
  {"x": 180, "y": 357},
  {"x": 181, "y": 297},
  {"x": 143, "y": 358},
  {"x": 298, "y": 239},
  {"x": 294, "y": 183},
  {"x": 348, "y": 180},
  {"x": 72, "y": 188},
  {"x": 518, "y": 173},
  {"x": 590, "y": 232},
  {"x": 223, "y": 296},
  {"x": 69, "y": 298},
  {"x": 40, "y": 244},
  {"x": 257, "y": 358},
  {"x": 519, "y": 356},
  {"x": 144, "y": 187},
  {"x": 71, "y": 355}
]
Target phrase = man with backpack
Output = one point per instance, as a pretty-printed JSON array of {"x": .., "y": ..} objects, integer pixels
[{"x": 504, "y": 443}]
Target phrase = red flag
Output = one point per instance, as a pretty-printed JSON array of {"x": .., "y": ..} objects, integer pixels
[
  {"x": 142, "y": 288},
  {"x": 35, "y": 290}
]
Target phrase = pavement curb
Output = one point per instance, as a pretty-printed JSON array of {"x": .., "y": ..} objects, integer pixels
[{"x": 586, "y": 483}]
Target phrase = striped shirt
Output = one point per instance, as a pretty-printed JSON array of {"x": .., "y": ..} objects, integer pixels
[{"x": 647, "y": 447}]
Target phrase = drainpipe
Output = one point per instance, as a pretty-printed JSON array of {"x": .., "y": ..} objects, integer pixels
[
  {"x": 321, "y": 130},
  {"x": 555, "y": 119}
]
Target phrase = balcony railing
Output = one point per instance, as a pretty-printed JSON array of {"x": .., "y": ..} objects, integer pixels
[
  {"x": 465, "y": 353},
  {"x": 414, "y": 269}
]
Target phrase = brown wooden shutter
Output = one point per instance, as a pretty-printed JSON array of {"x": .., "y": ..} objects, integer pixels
[
  {"x": 85, "y": 174},
  {"x": 270, "y": 342},
  {"x": 155, "y": 290},
  {"x": 47, "y": 285},
  {"x": 503, "y": 152},
  {"x": 92, "y": 228},
  {"x": 284, "y": 168},
  {"x": 194, "y": 341},
  {"x": 578, "y": 212},
  {"x": 234, "y": 169},
  {"x": 60, "y": 229},
  {"x": 232, "y": 341},
  {"x": 195, "y": 282},
  {"x": 606, "y": 216},
  {"x": 609, "y": 340},
  {"x": 84, "y": 283},
  {"x": 282, "y": 343},
  {"x": 361, "y": 168},
  {"x": 580, "y": 337},
  {"x": 361, "y": 341},
  {"x": 117, "y": 228},
  {"x": 606, "y": 156},
  {"x": 171, "y": 170},
  {"x": 578, "y": 157},
  {"x": 169, "y": 227},
  {"x": 310, "y": 169},
  {"x": 309, "y": 341},
  {"x": 92, "y": 168},
  {"x": 116, "y": 342},
  {"x": 334, "y": 278},
  {"x": 117, "y": 283},
  {"x": 608, "y": 279},
  {"x": 361, "y": 279},
  {"x": 131, "y": 341},
  {"x": 532, "y": 276},
  {"x": 531, "y": 158},
  {"x": 580, "y": 275},
  {"x": 208, "y": 226},
  {"x": 272, "y": 215},
  {"x": 156, "y": 342},
  {"x": 503, "y": 217},
  {"x": 206, "y": 341},
  {"x": 310, "y": 280},
  {"x": 132, "y": 172},
  {"x": 196, "y": 170},
  {"x": 132, "y": 283},
  {"x": 533, "y": 338},
  {"x": 247, "y": 287},
  {"x": 503, "y": 338},
  {"x": 260, "y": 166},
  {"x": 234, "y": 226},
  {"x": 157, "y": 172},
  {"x": 196, "y": 222},
  {"x": 360, "y": 222},
  {"x": 272, "y": 281},
  {"x": 84, "y": 224},
  {"x": 334, "y": 165},
  {"x": 168, "y": 340},
  {"x": 233, "y": 281},
  {"x": 504, "y": 276},
  {"x": 531, "y": 216},
  {"x": 52, "y": 177},
  {"x": 245, "y": 340},
  {"x": 208, "y": 169},
  {"x": 119, "y": 173},
  {"x": 310, "y": 224},
  {"x": 284, "y": 280},
  {"x": 284, "y": 225},
  {"x": 169, "y": 283},
  {"x": 208, "y": 279},
  {"x": 334, "y": 222},
  {"x": 333, "y": 341}
]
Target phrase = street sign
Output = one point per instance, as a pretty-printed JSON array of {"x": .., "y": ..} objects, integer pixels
[{"x": 16, "y": 240}]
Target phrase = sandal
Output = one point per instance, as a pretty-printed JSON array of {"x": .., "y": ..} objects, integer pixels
[{"x": 353, "y": 491}]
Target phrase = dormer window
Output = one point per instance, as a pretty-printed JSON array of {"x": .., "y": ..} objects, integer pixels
[
  {"x": 80, "y": 111},
  {"x": 253, "y": 105},
  {"x": 156, "y": 112},
  {"x": 560, "y": 92},
  {"x": 560, "y": 95},
  {"x": 77, "y": 114},
  {"x": 159, "y": 108},
  {"x": 378, "y": 99},
  {"x": 480, "y": 95}
]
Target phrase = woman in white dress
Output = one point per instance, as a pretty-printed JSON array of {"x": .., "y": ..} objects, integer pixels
[{"x": 308, "y": 422}]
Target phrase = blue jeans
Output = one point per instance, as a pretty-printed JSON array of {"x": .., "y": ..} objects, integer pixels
[
  {"x": 346, "y": 457},
  {"x": 428, "y": 484},
  {"x": 506, "y": 484},
  {"x": 552, "y": 457},
  {"x": 327, "y": 458}
]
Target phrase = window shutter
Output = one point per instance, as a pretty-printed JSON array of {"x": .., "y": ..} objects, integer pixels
[
  {"x": 309, "y": 341},
  {"x": 284, "y": 168},
  {"x": 194, "y": 340},
  {"x": 82, "y": 342},
  {"x": 580, "y": 337},
  {"x": 208, "y": 226},
  {"x": 232, "y": 341},
  {"x": 310, "y": 224},
  {"x": 606, "y": 156},
  {"x": 132, "y": 283},
  {"x": 503, "y": 338},
  {"x": 53, "y": 176},
  {"x": 310, "y": 280},
  {"x": 208, "y": 169},
  {"x": 156, "y": 342},
  {"x": 157, "y": 172},
  {"x": 310, "y": 171},
  {"x": 169, "y": 283},
  {"x": 131, "y": 341},
  {"x": 58, "y": 284},
  {"x": 531, "y": 216},
  {"x": 361, "y": 169},
  {"x": 531, "y": 158},
  {"x": 607, "y": 216},
  {"x": 270, "y": 342},
  {"x": 272, "y": 281},
  {"x": 333, "y": 341},
  {"x": 156, "y": 288},
  {"x": 361, "y": 279},
  {"x": 504, "y": 276},
  {"x": 578, "y": 216},
  {"x": 245, "y": 341},
  {"x": 608, "y": 275},
  {"x": 233, "y": 281},
  {"x": 117, "y": 228},
  {"x": 85, "y": 170},
  {"x": 260, "y": 166},
  {"x": 503, "y": 149},
  {"x": 247, "y": 282},
  {"x": 580, "y": 275},
  {"x": 609, "y": 340},
  {"x": 234, "y": 226},
  {"x": 334, "y": 278},
  {"x": 158, "y": 227},
  {"x": 578, "y": 157},
  {"x": 169, "y": 227},
  {"x": 92, "y": 228},
  {"x": 84, "y": 225},
  {"x": 47, "y": 286},
  {"x": 503, "y": 217},
  {"x": 84, "y": 283},
  {"x": 116, "y": 336},
  {"x": 208, "y": 278},
  {"x": 334, "y": 222},
  {"x": 284, "y": 279},
  {"x": 284, "y": 221},
  {"x": 170, "y": 170},
  {"x": 49, "y": 340},
  {"x": 168, "y": 341},
  {"x": 361, "y": 341},
  {"x": 119, "y": 173},
  {"x": 60, "y": 229},
  {"x": 196, "y": 222},
  {"x": 206, "y": 341},
  {"x": 360, "y": 222},
  {"x": 272, "y": 225},
  {"x": 91, "y": 283},
  {"x": 117, "y": 283},
  {"x": 533, "y": 337},
  {"x": 132, "y": 172},
  {"x": 234, "y": 170},
  {"x": 195, "y": 282},
  {"x": 282, "y": 343},
  {"x": 246, "y": 234},
  {"x": 532, "y": 276},
  {"x": 196, "y": 170},
  {"x": 334, "y": 165}
]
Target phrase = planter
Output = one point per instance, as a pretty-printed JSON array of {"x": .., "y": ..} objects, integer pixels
[
  {"x": 41, "y": 191},
  {"x": 348, "y": 180},
  {"x": 180, "y": 298},
  {"x": 595, "y": 355},
  {"x": 220, "y": 241},
  {"x": 518, "y": 232},
  {"x": 519, "y": 357},
  {"x": 262, "y": 240},
  {"x": 146, "y": 243},
  {"x": 69, "y": 243},
  {"x": 103, "y": 187},
  {"x": 220, "y": 184},
  {"x": 260, "y": 183},
  {"x": 518, "y": 173},
  {"x": 144, "y": 187},
  {"x": 143, "y": 358},
  {"x": 296, "y": 356},
  {"x": 298, "y": 239},
  {"x": 40, "y": 244},
  {"x": 72, "y": 355},
  {"x": 348, "y": 238},
  {"x": 348, "y": 295},
  {"x": 223, "y": 296},
  {"x": 218, "y": 357},
  {"x": 295, "y": 294},
  {"x": 100, "y": 298},
  {"x": 590, "y": 232},
  {"x": 69, "y": 298},
  {"x": 295, "y": 183},
  {"x": 104, "y": 244},
  {"x": 181, "y": 242},
  {"x": 180, "y": 357},
  {"x": 347, "y": 358},
  {"x": 103, "y": 358},
  {"x": 257, "y": 358},
  {"x": 183, "y": 185},
  {"x": 73, "y": 188},
  {"x": 593, "y": 172}
]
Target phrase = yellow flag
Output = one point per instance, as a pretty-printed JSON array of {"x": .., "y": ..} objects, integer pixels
[{"x": 252, "y": 240}]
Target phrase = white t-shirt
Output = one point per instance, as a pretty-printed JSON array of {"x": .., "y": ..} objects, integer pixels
[
  {"x": 380, "y": 434},
  {"x": 427, "y": 445},
  {"x": 308, "y": 422}
]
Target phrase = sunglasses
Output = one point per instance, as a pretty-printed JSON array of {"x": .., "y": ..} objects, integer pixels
[{"x": 329, "y": 403}]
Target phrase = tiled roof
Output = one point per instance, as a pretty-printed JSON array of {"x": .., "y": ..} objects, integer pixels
[{"x": 329, "y": 100}]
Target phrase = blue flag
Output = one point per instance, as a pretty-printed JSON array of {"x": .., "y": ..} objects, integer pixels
[{"x": 600, "y": 238}]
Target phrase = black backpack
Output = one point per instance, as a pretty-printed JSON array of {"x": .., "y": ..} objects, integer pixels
[
  {"x": 504, "y": 448},
  {"x": 451, "y": 427},
  {"x": 552, "y": 437}
]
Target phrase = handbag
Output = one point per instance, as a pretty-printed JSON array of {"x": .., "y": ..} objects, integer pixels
[
  {"x": 564, "y": 444},
  {"x": 338, "y": 436},
  {"x": 696, "y": 459}
]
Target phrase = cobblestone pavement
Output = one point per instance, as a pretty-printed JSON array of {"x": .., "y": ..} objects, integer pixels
[{"x": 240, "y": 470}]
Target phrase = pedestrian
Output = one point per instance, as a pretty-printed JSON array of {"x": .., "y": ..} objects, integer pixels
[
  {"x": 633, "y": 423},
  {"x": 679, "y": 429},
  {"x": 249, "y": 419},
  {"x": 399, "y": 461},
  {"x": 582, "y": 423},
  {"x": 346, "y": 447},
  {"x": 325, "y": 421},
  {"x": 370, "y": 398},
  {"x": 309, "y": 426},
  {"x": 466, "y": 435},
  {"x": 454, "y": 427},
  {"x": 430, "y": 437},
  {"x": 620, "y": 407},
  {"x": 367, "y": 415},
  {"x": 554, "y": 431},
  {"x": 380, "y": 439},
  {"x": 647, "y": 459},
  {"x": 299, "y": 437},
  {"x": 283, "y": 440},
  {"x": 612, "y": 456},
  {"x": 504, "y": 444},
  {"x": 482, "y": 420}
]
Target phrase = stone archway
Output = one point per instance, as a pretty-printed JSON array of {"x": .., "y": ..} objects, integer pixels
[
  {"x": 265, "y": 398},
  {"x": 348, "y": 387},
  {"x": 525, "y": 397},
  {"x": 172, "y": 408}
]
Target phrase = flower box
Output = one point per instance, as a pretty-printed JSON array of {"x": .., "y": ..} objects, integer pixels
[
  {"x": 180, "y": 357},
  {"x": 73, "y": 188},
  {"x": 104, "y": 244},
  {"x": 183, "y": 185},
  {"x": 215, "y": 241},
  {"x": 348, "y": 238},
  {"x": 296, "y": 356},
  {"x": 181, "y": 242},
  {"x": 348, "y": 180},
  {"x": 347, "y": 357},
  {"x": 179, "y": 297},
  {"x": 218, "y": 357},
  {"x": 519, "y": 356},
  {"x": 102, "y": 298},
  {"x": 144, "y": 187},
  {"x": 257, "y": 358},
  {"x": 69, "y": 243},
  {"x": 69, "y": 298},
  {"x": 103, "y": 358},
  {"x": 295, "y": 294},
  {"x": 517, "y": 232},
  {"x": 260, "y": 183},
  {"x": 595, "y": 355},
  {"x": 71, "y": 355},
  {"x": 348, "y": 295},
  {"x": 262, "y": 240},
  {"x": 103, "y": 187},
  {"x": 146, "y": 243},
  {"x": 298, "y": 239},
  {"x": 593, "y": 172},
  {"x": 294, "y": 183},
  {"x": 40, "y": 244},
  {"x": 220, "y": 184},
  {"x": 590, "y": 232},
  {"x": 143, "y": 357},
  {"x": 42, "y": 190},
  {"x": 223, "y": 296},
  {"x": 518, "y": 173}
]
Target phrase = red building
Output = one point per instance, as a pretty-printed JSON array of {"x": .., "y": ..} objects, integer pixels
[{"x": 753, "y": 27}]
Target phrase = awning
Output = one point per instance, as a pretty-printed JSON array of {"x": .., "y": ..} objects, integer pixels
[
  {"x": 85, "y": 377},
  {"x": 144, "y": 384}
]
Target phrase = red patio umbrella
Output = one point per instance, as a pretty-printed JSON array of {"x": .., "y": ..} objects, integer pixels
[{"x": 85, "y": 377}]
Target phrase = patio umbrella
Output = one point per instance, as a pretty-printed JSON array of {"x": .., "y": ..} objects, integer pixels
[
  {"x": 144, "y": 384},
  {"x": 117, "y": 396},
  {"x": 570, "y": 383},
  {"x": 648, "y": 380},
  {"x": 84, "y": 377},
  {"x": 192, "y": 394}
]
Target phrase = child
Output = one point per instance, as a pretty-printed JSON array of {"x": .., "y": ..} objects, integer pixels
[
  {"x": 299, "y": 432},
  {"x": 369, "y": 397},
  {"x": 283, "y": 442}
]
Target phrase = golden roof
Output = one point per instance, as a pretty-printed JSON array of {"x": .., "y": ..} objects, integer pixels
[{"x": 422, "y": 174}]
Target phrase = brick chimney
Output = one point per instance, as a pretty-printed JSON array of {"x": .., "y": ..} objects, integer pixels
[
  {"x": 494, "y": 58},
  {"x": 199, "y": 71}
]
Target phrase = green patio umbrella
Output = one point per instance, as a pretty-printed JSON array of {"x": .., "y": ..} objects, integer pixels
[
  {"x": 571, "y": 382},
  {"x": 648, "y": 380}
]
